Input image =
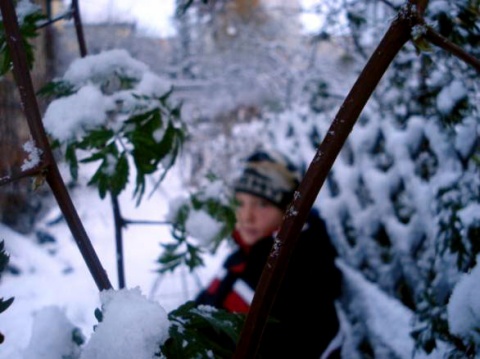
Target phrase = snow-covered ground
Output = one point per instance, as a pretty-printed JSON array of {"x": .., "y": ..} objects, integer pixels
[{"x": 56, "y": 274}]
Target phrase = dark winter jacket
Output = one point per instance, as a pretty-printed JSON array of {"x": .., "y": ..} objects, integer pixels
[{"x": 304, "y": 309}]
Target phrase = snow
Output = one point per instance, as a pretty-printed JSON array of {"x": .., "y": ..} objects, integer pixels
[
  {"x": 54, "y": 274},
  {"x": 55, "y": 294},
  {"x": 450, "y": 96},
  {"x": 23, "y": 9},
  {"x": 81, "y": 111},
  {"x": 202, "y": 226},
  {"x": 134, "y": 333},
  {"x": 132, "y": 327},
  {"x": 71, "y": 115},
  {"x": 51, "y": 336},
  {"x": 102, "y": 65},
  {"x": 385, "y": 310},
  {"x": 33, "y": 157},
  {"x": 464, "y": 307},
  {"x": 467, "y": 134},
  {"x": 133, "y": 324}
]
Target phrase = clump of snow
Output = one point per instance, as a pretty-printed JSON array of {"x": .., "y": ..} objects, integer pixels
[
  {"x": 440, "y": 6},
  {"x": 103, "y": 65},
  {"x": 174, "y": 206},
  {"x": 70, "y": 116},
  {"x": 51, "y": 336},
  {"x": 152, "y": 85},
  {"x": 450, "y": 96},
  {"x": 132, "y": 327},
  {"x": 202, "y": 227},
  {"x": 418, "y": 31},
  {"x": 25, "y": 8},
  {"x": 100, "y": 95},
  {"x": 463, "y": 309},
  {"x": 198, "y": 224},
  {"x": 216, "y": 190},
  {"x": 467, "y": 133},
  {"x": 378, "y": 311},
  {"x": 34, "y": 154},
  {"x": 470, "y": 214}
]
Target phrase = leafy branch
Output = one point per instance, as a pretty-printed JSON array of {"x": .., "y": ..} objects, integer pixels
[
  {"x": 214, "y": 205},
  {"x": 203, "y": 331}
]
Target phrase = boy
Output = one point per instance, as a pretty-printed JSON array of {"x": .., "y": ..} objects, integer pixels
[{"x": 304, "y": 317}]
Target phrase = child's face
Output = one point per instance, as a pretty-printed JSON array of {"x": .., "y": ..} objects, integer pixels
[{"x": 257, "y": 218}]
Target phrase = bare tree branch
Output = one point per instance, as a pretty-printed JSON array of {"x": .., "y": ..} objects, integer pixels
[
  {"x": 437, "y": 39},
  {"x": 35, "y": 171},
  {"x": 274, "y": 271}
]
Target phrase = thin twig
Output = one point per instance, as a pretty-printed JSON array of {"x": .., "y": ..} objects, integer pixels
[
  {"x": 79, "y": 28},
  {"x": 437, "y": 39},
  {"x": 145, "y": 222},
  {"x": 35, "y": 171},
  {"x": 119, "y": 224},
  {"x": 66, "y": 15}
]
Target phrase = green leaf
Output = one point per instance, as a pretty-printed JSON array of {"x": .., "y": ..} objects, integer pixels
[
  {"x": 147, "y": 151},
  {"x": 112, "y": 174},
  {"x": 119, "y": 179},
  {"x": 4, "y": 304},
  {"x": 97, "y": 138},
  {"x": 203, "y": 332},
  {"x": 4, "y": 258},
  {"x": 95, "y": 156},
  {"x": 169, "y": 259},
  {"x": 71, "y": 158},
  {"x": 78, "y": 337},
  {"x": 28, "y": 31},
  {"x": 193, "y": 258},
  {"x": 98, "y": 315},
  {"x": 163, "y": 99},
  {"x": 57, "y": 89}
]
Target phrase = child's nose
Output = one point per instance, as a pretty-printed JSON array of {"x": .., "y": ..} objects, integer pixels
[{"x": 248, "y": 214}]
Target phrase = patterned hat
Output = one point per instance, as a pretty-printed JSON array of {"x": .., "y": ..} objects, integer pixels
[{"x": 269, "y": 175}]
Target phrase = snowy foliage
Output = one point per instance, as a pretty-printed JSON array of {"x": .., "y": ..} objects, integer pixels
[
  {"x": 463, "y": 311},
  {"x": 110, "y": 108},
  {"x": 401, "y": 202},
  {"x": 200, "y": 221},
  {"x": 130, "y": 327}
]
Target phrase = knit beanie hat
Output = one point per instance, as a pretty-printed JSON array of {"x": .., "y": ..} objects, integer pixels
[{"x": 269, "y": 175}]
